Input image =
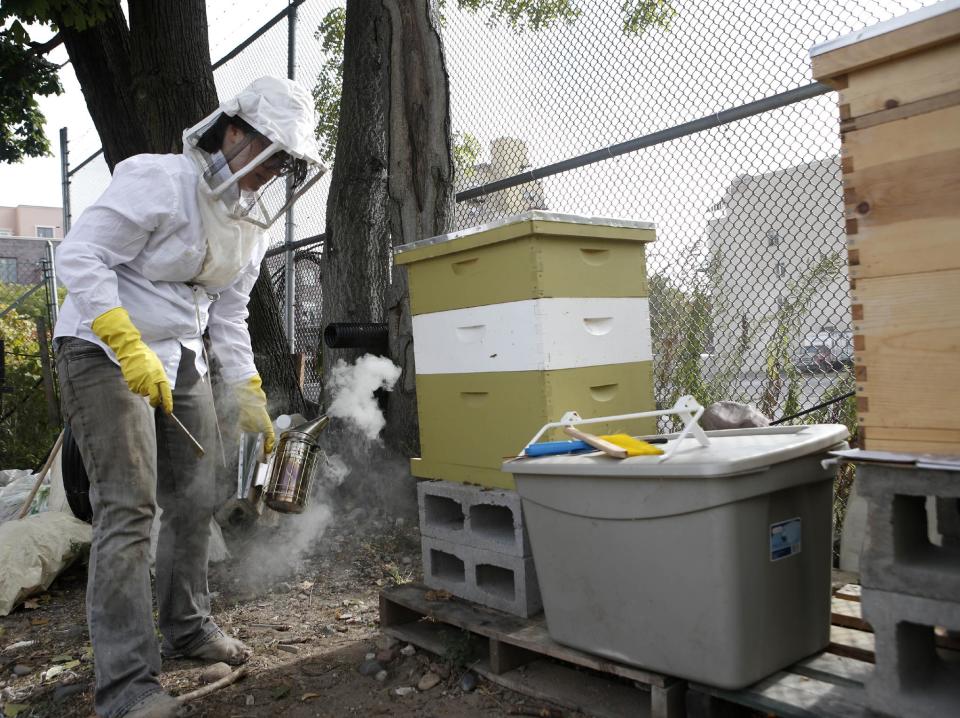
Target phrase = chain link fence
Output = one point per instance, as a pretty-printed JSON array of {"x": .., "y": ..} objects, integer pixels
[
  {"x": 748, "y": 284},
  {"x": 643, "y": 114}
]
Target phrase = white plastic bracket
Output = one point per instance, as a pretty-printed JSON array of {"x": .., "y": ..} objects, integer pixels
[{"x": 687, "y": 408}]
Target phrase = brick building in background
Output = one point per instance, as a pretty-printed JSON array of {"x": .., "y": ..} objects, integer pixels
[{"x": 24, "y": 233}]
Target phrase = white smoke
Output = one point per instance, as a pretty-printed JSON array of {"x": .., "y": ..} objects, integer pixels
[
  {"x": 333, "y": 469},
  {"x": 352, "y": 388}
]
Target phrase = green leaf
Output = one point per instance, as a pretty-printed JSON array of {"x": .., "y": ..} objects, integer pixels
[
  {"x": 642, "y": 15},
  {"x": 26, "y": 76},
  {"x": 10, "y": 710}
]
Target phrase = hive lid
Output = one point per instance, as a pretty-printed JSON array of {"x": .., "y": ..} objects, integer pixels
[
  {"x": 731, "y": 452},
  {"x": 520, "y": 225},
  {"x": 913, "y": 31}
]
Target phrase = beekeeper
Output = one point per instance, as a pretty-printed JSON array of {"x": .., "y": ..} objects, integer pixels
[{"x": 170, "y": 250}]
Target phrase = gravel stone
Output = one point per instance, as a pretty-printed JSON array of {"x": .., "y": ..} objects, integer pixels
[
  {"x": 214, "y": 672},
  {"x": 468, "y": 682},
  {"x": 428, "y": 681},
  {"x": 62, "y": 693},
  {"x": 369, "y": 668}
]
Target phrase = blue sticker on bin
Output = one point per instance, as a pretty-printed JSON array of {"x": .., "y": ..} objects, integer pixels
[{"x": 784, "y": 539}]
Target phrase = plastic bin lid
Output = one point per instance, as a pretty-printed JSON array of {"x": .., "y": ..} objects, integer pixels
[{"x": 731, "y": 451}]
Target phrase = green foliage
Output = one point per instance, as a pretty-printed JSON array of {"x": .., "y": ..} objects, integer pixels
[
  {"x": 460, "y": 649},
  {"x": 25, "y": 435},
  {"x": 75, "y": 14},
  {"x": 520, "y": 15},
  {"x": 27, "y": 75},
  {"x": 682, "y": 328},
  {"x": 466, "y": 154},
  {"x": 327, "y": 91},
  {"x": 682, "y": 325},
  {"x": 781, "y": 395},
  {"x": 642, "y": 15}
]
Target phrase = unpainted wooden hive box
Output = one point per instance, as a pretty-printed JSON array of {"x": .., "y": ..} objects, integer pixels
[{"x": 899, "y": 101}]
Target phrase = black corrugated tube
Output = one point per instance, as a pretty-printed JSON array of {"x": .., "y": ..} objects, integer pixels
[{"x": 370, "y": 336}]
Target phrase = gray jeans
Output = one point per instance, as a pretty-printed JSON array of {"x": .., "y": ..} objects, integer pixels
[{"x": 136, "y": 459}]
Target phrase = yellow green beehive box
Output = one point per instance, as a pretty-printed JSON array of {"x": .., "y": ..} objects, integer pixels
[
  {"x": 517, "y": 323},
  {"x": 535, "y": 254},
  {"x": 470, "y": 422}
]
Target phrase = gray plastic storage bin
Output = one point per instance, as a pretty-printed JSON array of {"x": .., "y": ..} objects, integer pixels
[{"x": 712, "y": 566}]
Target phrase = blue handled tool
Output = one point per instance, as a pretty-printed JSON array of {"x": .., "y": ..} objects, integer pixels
[{"x": 550, "y": 448}]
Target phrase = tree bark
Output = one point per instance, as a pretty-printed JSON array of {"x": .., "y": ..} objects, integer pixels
[
  {"x": 147, "y": 83},
  {"x": 420, "y": 184},
  {"x": 392, "y": 182},
  {"x": 100, "y": 56},
  {"x": 356, "y": 253},
  {"x": 170, "y": 67},
  {"x": 277, "y": 371}
]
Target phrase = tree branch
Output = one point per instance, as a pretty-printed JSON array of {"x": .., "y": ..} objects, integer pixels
[{"x": 42, "y": 48}]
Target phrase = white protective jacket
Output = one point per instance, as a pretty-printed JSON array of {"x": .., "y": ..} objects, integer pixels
[{"x": 139, "y": 246}]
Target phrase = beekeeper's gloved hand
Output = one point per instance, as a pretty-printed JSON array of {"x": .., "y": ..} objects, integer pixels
[
  {"x": 253, "y": 411},
  {"x": 139, "y": 364}
]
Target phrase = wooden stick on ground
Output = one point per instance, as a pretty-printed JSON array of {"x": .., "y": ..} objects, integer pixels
[
  {"x": 524, "y": 709},
  {"x": 43, "y": 472},
  {"x": 215, "y": 686}
]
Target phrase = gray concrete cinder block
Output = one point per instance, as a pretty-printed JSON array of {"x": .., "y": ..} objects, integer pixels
[
  {"x": 912, "y": 678},
  {"x": 508, "y": 583},
  {"x": 948, "y": 520},
  {"x": 877, "y": 480},
  {"x": 898, "y": 555},
  {"x": 490, "y": 519}
]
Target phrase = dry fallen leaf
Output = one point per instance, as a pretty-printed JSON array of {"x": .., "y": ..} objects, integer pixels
[
  {"x": 439, "y": 595},
  {"x": 31, "y": 603},
  {"x": 309, "y": 697}
]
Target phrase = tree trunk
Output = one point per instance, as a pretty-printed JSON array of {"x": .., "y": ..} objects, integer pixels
[
  {"x": 100, "y": 57},
  {"x": 356, "y": 252},
  {"x": 280, "y": 382},
  {"x": 420, "y": 184},
  {"x": 392, "y": 182},
  {"x": 170, "y": 67}
]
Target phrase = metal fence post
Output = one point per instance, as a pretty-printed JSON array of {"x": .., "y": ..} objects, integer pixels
[
  {"x": 290, "y": 275},
  {"x": 50, "y": 275},
  {"x": 65, "y": 178},
  {"x": 46, "y": 374}
]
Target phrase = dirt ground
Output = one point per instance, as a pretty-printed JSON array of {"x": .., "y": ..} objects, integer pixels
[{"x": 312, "y": 621}]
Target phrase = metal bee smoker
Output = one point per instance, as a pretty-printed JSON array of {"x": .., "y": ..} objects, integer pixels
[{"x": 294, "y": 466}]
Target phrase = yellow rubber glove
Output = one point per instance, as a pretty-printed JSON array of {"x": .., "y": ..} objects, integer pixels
[
  {"x": 139, "y": 364},
  {"x": 253, "y": 411}
]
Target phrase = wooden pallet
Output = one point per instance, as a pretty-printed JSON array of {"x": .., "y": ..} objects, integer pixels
[
  {"x": 517, "y": 653},
  {"x": 827, "y": 685}
]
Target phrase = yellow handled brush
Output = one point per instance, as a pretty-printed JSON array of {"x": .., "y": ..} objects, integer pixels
[{"x": 619, "y": 446}]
